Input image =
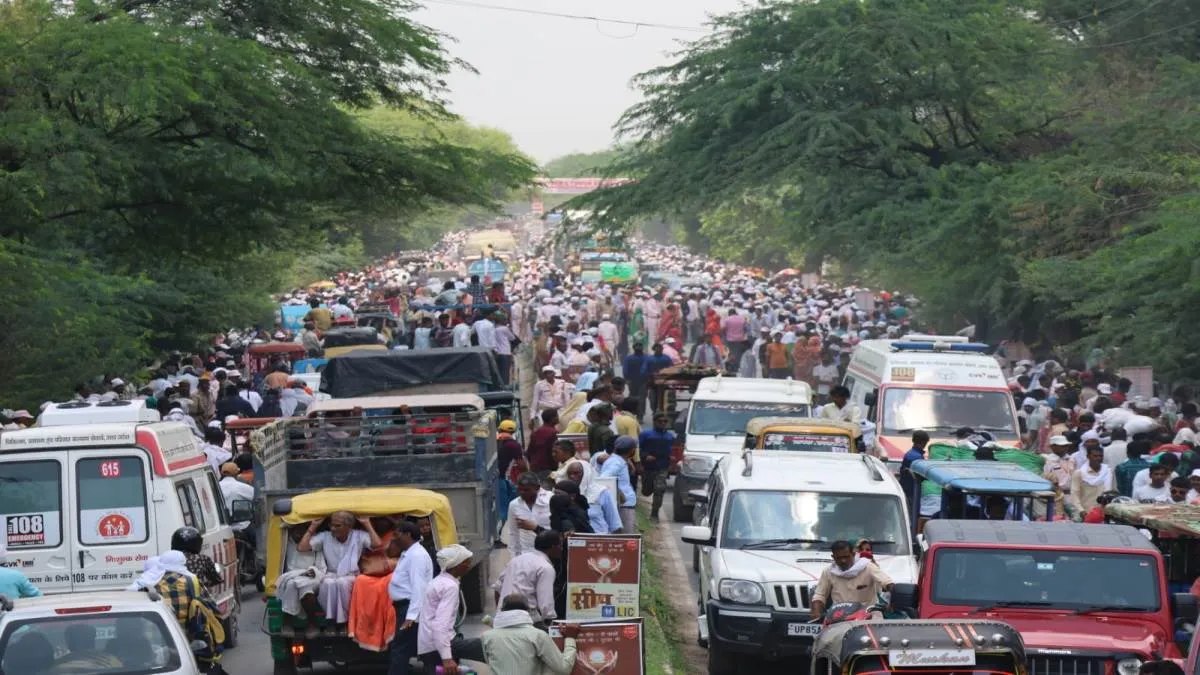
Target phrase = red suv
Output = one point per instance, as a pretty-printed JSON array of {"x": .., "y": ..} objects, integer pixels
[{"x": 1088, "y": 599}]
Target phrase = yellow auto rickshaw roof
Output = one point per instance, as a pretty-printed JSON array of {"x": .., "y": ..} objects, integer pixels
[
  {"x": 809, "y": 425},
  {"x": 380, "y": 501}
]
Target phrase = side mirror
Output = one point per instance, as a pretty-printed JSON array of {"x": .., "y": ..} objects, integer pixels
[
  {"x": 871, "y": 399},
  {"x": 242, "y": 511},
  {"x": 1185, "y": 606},
  {"x": 698, "y": 535},
  {"x": 199, "y": 646},
  {"x": 699, "y": 496},
  {"x": 904, "y": 597}
]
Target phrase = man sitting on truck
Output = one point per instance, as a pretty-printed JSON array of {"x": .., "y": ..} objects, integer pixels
[{"x": 848, "y": 579}]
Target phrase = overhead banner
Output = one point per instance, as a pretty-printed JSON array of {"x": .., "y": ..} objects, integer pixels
[
  {"x": 604, "y": 575},
  {"x": 608, "y": 648},
  {"x": 618, "y": 272}
]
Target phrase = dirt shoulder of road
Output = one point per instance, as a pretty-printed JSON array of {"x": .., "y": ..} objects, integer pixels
[{"x": 668, "y": 612}]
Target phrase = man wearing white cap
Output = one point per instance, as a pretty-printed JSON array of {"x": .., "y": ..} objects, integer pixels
[
  {"x": 436, "y": 643},
  {"x": 1059, "y": 468},
  {"x": 550, "y": 393}
]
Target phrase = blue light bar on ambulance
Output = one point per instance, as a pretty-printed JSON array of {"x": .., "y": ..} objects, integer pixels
[{"x": 976, "y": 347}]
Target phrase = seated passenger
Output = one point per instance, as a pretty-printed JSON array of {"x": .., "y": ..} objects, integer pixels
[
  {"x": 131, "y": 646},
  {"x": 82, "y": 655},
  {"x": 297, "y": 586},
  {"x": 343, "y": 546},
  {"x": 29, "y": 654},
  {"x": 372, "y": 619}
]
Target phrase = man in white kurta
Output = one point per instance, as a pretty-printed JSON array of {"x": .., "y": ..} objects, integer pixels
[{"x": 342, "y": 546}]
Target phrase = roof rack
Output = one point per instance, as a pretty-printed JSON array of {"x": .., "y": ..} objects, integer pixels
[
  {"x": 871, "y": 467},
  {"x": 748, "y": 458}
]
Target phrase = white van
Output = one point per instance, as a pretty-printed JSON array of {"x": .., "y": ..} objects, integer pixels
[
  {"x": 767, "y": 526},
  {"x": 716, "y": 424},
  {"x": 938, "y": 383},
  {"x": 85, "y": 504}
]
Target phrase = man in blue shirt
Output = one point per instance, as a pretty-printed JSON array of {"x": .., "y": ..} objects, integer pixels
[
  {"x": 617, "y": 466},
  {"x": 920, "y": 439},
  {"x": 656, "y": 460},
  {"x": 13, "y": 582},
  {"x": 652, "y": 365},
  {"x": 631, "y": 368}
]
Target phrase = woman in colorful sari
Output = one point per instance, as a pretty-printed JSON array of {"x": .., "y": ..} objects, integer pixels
[
  {"x": 805, "y": 355},
  {"x": 637, "y": 326},
  {"x": 672, "y": 325}
]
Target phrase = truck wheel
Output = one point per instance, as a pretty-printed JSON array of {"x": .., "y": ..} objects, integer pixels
[
  {"x": 682, "y": 512},
  {"x": 285, "y": 668},
  {"x": 721, "y": 662}
]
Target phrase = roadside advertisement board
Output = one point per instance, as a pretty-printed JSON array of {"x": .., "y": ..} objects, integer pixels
[
  {"x": 604, "y": 574},
  {"x": 606, "y": 648}
]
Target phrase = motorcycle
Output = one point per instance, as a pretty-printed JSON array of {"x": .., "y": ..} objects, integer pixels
[{"x": 251, "y": 568}]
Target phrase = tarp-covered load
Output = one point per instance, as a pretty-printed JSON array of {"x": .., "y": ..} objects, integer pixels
[
  {"x": 1028, "y": 460},
  {"x": 349, "y": 337},
  {"x": 363, "y": 373}
]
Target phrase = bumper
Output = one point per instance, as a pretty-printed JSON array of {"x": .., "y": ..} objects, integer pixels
[
  {"x": 686, "y": 482},
  {"x": 757, "y": 630}
]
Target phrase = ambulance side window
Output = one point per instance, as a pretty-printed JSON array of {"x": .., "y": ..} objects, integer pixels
[
  {"x": 215, "y": 488},
  {"x": 112, "y": 500},
  {"x": 31, "y": 503},
  {"x": 189, "y": 501}
]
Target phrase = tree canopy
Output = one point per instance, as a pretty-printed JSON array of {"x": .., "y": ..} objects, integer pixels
[
  {"x": 164, "y": 162},
  {"x": 1029, "y": 167},
  {"x": 580, "y": 164}
]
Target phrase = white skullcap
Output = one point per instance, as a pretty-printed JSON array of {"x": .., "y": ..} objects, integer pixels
[{"x": 453, "y": 556}]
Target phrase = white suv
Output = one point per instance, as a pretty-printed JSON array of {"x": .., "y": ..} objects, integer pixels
[
  {"x": 103, "y": 632},
  {"x": 766, "y": 527}
]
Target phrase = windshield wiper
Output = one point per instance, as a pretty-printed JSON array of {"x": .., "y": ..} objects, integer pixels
[
  {"x": 1106, "y": 608},
  {"x": 1011, "y": 603},
  {"x": 776, "y": 543}
]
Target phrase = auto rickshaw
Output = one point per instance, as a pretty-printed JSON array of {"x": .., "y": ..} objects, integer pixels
[
  {"x": 259, "y": 357},
  {"x": 975, "y": 490},
  {"x": 1174, "y": 528},
  {"x": 797, "y": 434},
  {"x": 927, "y": 647},
  {"x": 300, "y": 643}
]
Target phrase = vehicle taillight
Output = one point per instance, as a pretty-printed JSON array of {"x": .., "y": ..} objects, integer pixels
[
  {"x": 84, "y": 610},
  {"x": 297, "y": 649}
]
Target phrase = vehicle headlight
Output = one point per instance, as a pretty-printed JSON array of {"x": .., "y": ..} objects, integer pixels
[
  {"x": 746, "y": 593},
  {"x": 697, "y": 464},
  {"x": 1128, "y": 666}
]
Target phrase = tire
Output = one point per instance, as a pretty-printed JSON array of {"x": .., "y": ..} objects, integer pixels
[
  {"x": 231, "y": 628},
  {"x": 260, "y": 583},
  {"x": 720, "y": 661},
  {"x": 681, "y": 512},
  {"x": 284, "y": 668}
]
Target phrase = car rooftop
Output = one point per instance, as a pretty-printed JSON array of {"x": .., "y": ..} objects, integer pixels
[
  {"x": 87, "y": 599},
  {"x": 1056, "y": 534},
  {"x": 816, "y": 471},
  {"x": 716, "y": 387}
]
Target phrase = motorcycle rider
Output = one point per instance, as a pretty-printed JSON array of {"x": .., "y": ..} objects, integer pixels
[
  {"x": 850, "y": 578},
  {"x": 189, "y": 542}
]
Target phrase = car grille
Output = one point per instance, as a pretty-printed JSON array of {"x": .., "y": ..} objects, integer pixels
[
  {"x": 1066, "y": 665},
  {"x": 790, "y": 597}
]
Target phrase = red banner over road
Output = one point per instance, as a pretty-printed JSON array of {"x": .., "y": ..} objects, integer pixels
[{"x": 571, "y": 186}]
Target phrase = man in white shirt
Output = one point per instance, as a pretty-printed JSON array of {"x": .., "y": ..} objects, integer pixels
[
  {"x": 550, "y": 393},
  {"x": 485, "y": 330},
  {"x": 460, "y": 335},
  {"x": 528, "y": 514},
  {"x": 214, "y": 447},
  {"x": 1157, "y": 490},
  {"x": 840, "y": 409},
  {"x": 413, "y": 573},
  {"x": 341, "y": 310},
  {"x": 825, "y": 375},
  {"x": 531, "y": 575},
  {"x": 233, "y": 489}
]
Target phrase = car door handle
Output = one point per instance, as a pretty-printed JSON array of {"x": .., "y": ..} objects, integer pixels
[{"x": 81, "y": 559}]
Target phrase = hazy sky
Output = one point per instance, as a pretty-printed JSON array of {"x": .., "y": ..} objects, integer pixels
[{"x": 558, "y": 85}]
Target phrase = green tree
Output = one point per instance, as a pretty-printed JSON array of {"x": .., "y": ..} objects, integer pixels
[
  {"x": 198, "y": 148},
  {"x": 581, "y": 164}
]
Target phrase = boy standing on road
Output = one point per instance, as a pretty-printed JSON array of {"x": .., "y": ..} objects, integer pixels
[{"x": 655, "y": 446}]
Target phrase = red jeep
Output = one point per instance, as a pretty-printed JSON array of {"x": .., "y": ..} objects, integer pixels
[{"x": 1088, "y": 599}]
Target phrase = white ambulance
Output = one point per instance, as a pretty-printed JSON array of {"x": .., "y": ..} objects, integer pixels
[
  {"x": 96, "y": 489},
  {"x": 938, "y": 383}
]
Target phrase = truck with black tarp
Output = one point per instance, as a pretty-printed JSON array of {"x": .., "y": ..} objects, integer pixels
[{"x": 424, "y": 371}]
